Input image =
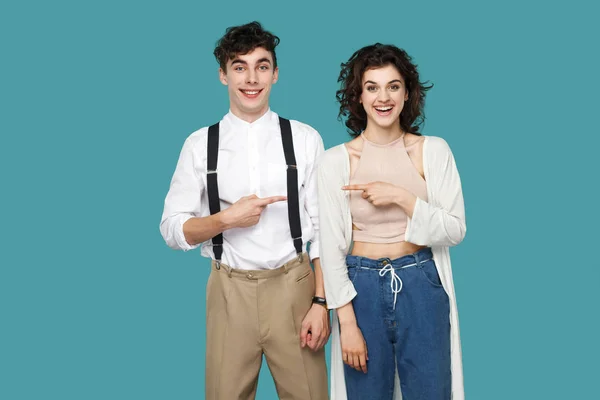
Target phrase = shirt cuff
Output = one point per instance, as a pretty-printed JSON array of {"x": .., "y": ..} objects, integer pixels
[
  {"x": 313, "y": 251},
  {"x": 180, "y": 237}
]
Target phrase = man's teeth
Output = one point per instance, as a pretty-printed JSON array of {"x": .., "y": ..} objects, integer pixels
[
  {"x": 383, "y": 108},
  {"x": 251, "y": 92}
]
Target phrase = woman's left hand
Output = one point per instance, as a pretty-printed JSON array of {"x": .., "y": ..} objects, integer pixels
[{"x": 379, "y": 193}]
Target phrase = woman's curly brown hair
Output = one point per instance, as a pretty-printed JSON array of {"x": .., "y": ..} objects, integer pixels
[{"x": 376, "y": 56}]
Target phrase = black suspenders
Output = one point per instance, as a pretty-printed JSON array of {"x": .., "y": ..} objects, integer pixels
[
  {"x": 292, "y": 185},
  {"x": 212, "y": 155}
]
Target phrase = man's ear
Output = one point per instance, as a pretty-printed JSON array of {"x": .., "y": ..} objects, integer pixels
[
  {"x": 222, "y": 76},
  {"x": 275, "y": 75}
]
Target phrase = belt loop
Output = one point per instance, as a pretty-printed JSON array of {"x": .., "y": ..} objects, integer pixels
[
  {"x": 229, "y": 271},
  {"x": 418, "y": 260},
  {"x": 285, "y": 268},
  {"x": 359, "y": 263},
  {"x": 300, "y": 259}
]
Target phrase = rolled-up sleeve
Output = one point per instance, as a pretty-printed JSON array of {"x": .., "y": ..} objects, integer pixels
[
  {"x": 183, "y": 200},
  {"x": 339, "y": 290}
]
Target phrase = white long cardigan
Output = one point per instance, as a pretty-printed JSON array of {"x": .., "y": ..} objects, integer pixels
[{"x": 438, "y": 223}]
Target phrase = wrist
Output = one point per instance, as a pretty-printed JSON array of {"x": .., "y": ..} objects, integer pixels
[
  {"x": 348, "y": 324},
  {"x": 346, "y": 315},
  {"x": 400, "y": 196},
  {"x": 225, "y": 221},
  {"x": 319, "y": 301}
]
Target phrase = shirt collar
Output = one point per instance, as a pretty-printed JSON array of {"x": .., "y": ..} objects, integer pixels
[{"x": 235, "y": 121}]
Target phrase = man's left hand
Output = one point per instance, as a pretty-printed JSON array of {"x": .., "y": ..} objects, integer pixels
[{"x": 315, "y": 328}]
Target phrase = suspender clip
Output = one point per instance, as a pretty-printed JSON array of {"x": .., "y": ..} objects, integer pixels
[
  {"x": 218, "y": 256},
  {"x": 299, "y": 248}
]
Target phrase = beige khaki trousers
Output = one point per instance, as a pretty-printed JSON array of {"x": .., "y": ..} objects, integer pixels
[{"x": 251, "y": 313}]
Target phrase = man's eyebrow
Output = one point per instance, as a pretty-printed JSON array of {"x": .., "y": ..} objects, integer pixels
[{"x": 240, "y": 61}]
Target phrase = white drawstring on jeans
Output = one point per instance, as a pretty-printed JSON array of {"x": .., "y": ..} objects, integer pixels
[{"x": 395, "y": 283}]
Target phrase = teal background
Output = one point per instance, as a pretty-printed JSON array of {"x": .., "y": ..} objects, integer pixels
[{"x": 97, "y": 98}]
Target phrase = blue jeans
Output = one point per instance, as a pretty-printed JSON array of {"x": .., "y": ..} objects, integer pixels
[{"x": 404, "y": 315}]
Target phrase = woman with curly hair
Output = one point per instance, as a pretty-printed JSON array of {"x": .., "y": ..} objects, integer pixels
[{"x": 391, "y": 205}]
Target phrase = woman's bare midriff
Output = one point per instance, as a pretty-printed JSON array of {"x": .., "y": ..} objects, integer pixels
[{"x": 392, "y": 251}]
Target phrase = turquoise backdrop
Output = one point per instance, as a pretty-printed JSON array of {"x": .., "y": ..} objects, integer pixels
[{"x": 97, "y": 98}]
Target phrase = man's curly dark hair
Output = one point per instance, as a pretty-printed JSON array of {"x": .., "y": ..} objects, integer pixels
[{"x": 240, "y": 40}]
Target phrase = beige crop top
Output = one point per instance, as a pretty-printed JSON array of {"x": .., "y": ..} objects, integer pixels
[{"x": 386, "y": 163}]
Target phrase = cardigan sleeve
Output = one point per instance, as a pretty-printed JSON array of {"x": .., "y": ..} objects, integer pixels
[
  {"x": 441, "y": 220},
  {"x": 339, "y": 290}
]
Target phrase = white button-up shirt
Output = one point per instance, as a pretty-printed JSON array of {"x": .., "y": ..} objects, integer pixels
[{"x": 251, "y": 161}]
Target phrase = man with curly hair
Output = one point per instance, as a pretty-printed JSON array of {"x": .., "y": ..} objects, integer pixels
[{"x": 245, "y": 191}]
